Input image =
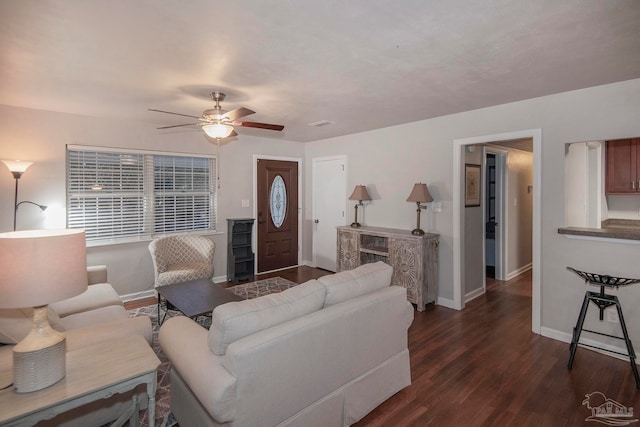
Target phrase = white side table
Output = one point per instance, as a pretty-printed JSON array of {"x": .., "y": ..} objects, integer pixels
[{"x": 93, "y": 373}]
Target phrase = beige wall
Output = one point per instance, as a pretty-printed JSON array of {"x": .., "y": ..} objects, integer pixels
[
  {"x": 41, "y": 136},
  {"x": 389, "y": 161},
  {"x": 519, "y": 207},
  {"x": 575, "y": 183},
  {"x": 392, "y": 159}
]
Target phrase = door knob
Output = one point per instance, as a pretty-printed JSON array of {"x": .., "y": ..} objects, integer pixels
[{"x": 316, "y": 221}]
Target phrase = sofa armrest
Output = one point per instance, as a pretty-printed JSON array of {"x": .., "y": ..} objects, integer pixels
[
  {"x": 97, "y": 274},
  {"x": 184, "y": 342},
  {"x": 94, "y": 334}
]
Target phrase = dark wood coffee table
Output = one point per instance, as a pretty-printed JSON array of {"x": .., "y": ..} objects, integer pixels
[{"x": 194, "y": 298}]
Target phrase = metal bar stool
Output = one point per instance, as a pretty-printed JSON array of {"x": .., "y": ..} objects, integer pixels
[{"x": 603, "y": 301}]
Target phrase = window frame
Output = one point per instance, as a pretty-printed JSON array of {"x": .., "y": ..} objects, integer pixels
[{"x": 147, "y": 195}]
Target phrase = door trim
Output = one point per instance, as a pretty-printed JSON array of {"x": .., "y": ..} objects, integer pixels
[
  {"x": 502, "y": 219},
  {"x": 298, "y": 160},
  {"x": 458, "y": 218},
  {"x": 314, "y": 161}
]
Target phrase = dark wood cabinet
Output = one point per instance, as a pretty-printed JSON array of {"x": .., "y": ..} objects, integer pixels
[
  {"x": 623, "y": 166},
  {"x": 240, "y": 256}
]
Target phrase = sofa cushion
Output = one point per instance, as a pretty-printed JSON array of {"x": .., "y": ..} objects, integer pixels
[
  {"x": 94, "y": 317},
  {"x": 184, "y": 272},
  {"x": 235, "y": 320},
  {"x": 97, "y": 274},
  {"x": 352, "y": 283},
  {"x": 96, "y": 296}
]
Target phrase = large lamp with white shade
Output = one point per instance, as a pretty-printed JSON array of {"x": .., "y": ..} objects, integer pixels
[{"x": 38, "y": 267}]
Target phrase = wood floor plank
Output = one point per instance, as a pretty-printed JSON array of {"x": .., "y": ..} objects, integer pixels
[{"x": 483, "y": 366}]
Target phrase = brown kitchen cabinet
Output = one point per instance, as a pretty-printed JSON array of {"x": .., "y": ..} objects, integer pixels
[{"x": 623, "y": 166}]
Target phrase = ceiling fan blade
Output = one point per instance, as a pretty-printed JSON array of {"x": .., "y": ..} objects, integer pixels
[
  {"x": 177, "y": 126},
  {"x": 175, "y": 114},
  {"x": 258, "y": 125},
  {"x": 237, "y": 113}
]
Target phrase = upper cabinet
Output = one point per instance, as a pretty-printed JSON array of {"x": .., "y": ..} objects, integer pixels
[{"x": 623, "y": 166}]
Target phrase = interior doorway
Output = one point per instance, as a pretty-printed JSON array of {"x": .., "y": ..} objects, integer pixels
[
  {"x": 459, "y": 232},
  {"x": 494, "y": 219},
  {"x": 490, "y": 216}
]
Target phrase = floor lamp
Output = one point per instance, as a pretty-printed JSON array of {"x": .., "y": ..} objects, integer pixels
[{"x": 17, "y": 168}]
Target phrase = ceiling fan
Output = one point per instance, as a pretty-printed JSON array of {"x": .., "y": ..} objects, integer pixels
[{"x": 218, "y": 123}]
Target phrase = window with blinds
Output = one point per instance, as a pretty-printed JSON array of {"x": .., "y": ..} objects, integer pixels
[{"x": 124, "y": 195}]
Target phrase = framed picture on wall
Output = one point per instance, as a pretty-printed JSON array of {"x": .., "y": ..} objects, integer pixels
[{"x": 472, "y": 185}]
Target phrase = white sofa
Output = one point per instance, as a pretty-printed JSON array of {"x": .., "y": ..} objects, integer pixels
[
  {"x": 94, "y": 316},
  {"x": 323, "y": 353}
]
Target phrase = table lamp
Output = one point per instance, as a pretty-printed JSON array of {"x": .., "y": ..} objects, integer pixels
[
  {"x": 359, "y": 193},
  {"x": 38, "y": 267},
  {"x": 419, "y": 194}
]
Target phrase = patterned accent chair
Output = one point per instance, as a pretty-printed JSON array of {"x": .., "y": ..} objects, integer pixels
[{"x": 182, "y": 258}]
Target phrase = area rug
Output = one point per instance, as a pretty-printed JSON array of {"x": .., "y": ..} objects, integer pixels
[
  {"x": 164, "y": 417},
  {"x": 262, "y": 287}
]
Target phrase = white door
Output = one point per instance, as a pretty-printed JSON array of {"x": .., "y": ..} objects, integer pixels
[{"x": 329, "y": 206}]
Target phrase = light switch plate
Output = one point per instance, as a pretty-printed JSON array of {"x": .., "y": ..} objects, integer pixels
[
  {"x": 245, "y": 203},
  {"x": 436, "y": 206}
]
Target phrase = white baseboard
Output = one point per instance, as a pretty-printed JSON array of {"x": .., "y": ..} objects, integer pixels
[
  {"x": 474, "y": 294},
  {"x": 149, "y": 293},
  {"x": 308, "y": 263},
  {"x": 519, "y": 271},
  {"x": 152, "y": 293},
  {"x": 445, "y": 302},
  {"x": 567, "y": 337},
  {"x": 219, "y": 279}
]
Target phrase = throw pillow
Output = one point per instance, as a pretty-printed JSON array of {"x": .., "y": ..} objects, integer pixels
[{"x": 353, "y": 283}]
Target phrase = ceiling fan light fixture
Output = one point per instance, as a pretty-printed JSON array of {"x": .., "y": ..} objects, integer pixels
[{"x": 218, "y": 130}]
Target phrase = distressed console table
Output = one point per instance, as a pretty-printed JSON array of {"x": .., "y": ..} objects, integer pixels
[{"x": 414, "y": 258}]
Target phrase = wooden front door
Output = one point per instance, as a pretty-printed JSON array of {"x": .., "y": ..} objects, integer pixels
[{"x": 277, "y": 188}]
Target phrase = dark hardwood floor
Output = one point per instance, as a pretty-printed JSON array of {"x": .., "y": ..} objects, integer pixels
[{"x": 484, "y": 367}]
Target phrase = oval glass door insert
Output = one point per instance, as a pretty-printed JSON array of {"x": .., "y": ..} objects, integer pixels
[{"x": 278, "y": 201}]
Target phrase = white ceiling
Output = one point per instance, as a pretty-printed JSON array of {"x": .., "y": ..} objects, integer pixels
[{"x": 362, "y": 64}]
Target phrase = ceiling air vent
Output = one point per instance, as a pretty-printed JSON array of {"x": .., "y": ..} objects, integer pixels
[{"x": 320, "y": 123}]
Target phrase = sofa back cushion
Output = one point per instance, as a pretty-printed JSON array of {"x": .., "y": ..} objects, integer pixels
[
  {"x": 353, "y": 283},
  {"x": 235, "y": 320}
]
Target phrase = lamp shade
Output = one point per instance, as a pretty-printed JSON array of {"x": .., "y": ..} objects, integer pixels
[
  {"x": 38, "y": 267},
  {"x": 17, "y": 165},
  {"x": 218, "y": 130},
  {"x": 360, "y": 193},
  {"x": 420, "y": 194}
]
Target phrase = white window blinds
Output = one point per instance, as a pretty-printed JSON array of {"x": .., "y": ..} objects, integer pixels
[{"x": 125, "y": 195}]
